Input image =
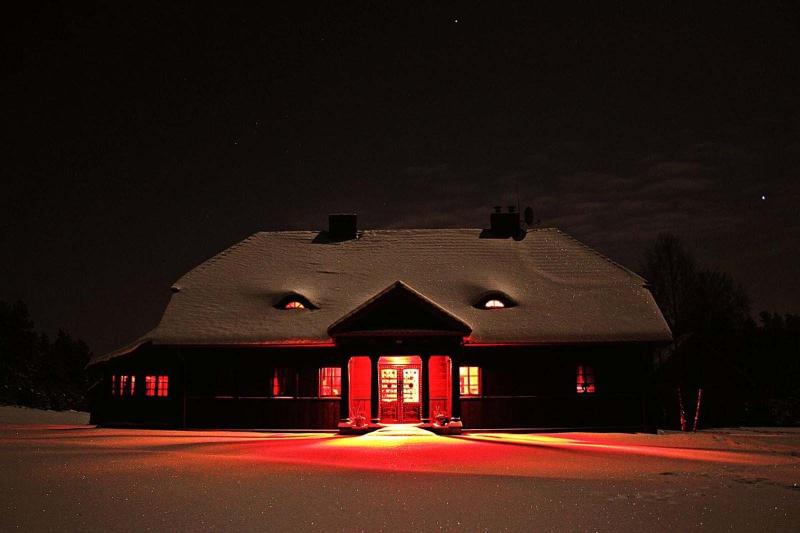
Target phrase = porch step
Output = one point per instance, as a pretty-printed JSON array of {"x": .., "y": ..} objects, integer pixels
[{"x": 402, "y": 430}]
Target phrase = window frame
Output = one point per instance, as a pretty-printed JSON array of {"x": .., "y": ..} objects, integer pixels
[
  {"x": 123, "y": 385},
  {"x": 156, "y": 385},
  {"x": 585, "y": 380},
  {"x": 287, "y": 380},
  {"x": 334, "y": 390},
  {"x": 284, "y": 303},
  {"x": 501, "y": 297},
  {"x": 469, "y": 383}
]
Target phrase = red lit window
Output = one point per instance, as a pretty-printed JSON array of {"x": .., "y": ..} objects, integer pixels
[
  {"x": 585, "y": 380},
  {"x": 163, "y": 386},
  {"x": 156, "y": 386},
  {"x": 294, "y": 301},
  {"x": 330, "y": 381},
  {"x": 123, "y": 385},
  {"x": 469, "y": 378},
  {"x": 281, "y": 382}
]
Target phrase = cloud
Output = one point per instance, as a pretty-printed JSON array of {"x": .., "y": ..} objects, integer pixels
[{"x": 708, "y": 193}]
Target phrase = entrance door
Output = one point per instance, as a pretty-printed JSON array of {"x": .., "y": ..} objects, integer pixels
[{"x": 399, "y": 390}]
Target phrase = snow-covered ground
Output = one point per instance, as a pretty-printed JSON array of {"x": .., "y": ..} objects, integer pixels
[
  {"x": 76, "y": 477},
  {"x": 13, "y": 414}
]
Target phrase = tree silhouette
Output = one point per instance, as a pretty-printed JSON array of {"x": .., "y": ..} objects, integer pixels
[
  {"x": 671, "y": 273},
  {"x": 36, "y": 372},
  {"x": 709, "y": 314}
]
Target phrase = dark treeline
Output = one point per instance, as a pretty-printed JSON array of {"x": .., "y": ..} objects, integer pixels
[
  {"x": 36, "y": 371},
  {"x": 748, "y": 370}
]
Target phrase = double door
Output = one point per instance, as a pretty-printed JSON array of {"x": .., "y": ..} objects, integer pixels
[{"x": 399, "y": 393}]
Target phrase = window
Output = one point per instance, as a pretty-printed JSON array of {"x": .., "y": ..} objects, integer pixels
[
  {"x": 281, "y": 382},
  {"x": 294, "y": 301},
  {"x": 585, "y": 380},
  {"x": 123, "y": 385},
  {"x": 495, "y": 300},
  {"x": 156, "y": 386},
  {"x": 493, "y": 304},
  {"x": 469, "y": 378},
  {"x": 330, "y": 381}
]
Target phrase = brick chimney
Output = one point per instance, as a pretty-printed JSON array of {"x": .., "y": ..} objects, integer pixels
[
  {"x": 342, "y": 226},
  {"x": 505, "y": 224}
]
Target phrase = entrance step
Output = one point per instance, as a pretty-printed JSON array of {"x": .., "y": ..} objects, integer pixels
[{"x": 402, "y": 430}]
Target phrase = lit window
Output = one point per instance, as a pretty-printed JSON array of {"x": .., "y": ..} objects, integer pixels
[
  {"x": 585, "y": 380},
  {"x": 330, "y": 381},
  {"x": 294, "y": 301},
  {"x": 163, "y": 386},
  {"x": 281, "y": 382},
  {"x": 156, "y": 386},
  {"x": 495, "y": 300},
  {"x": 123, "y": 385},
  {"x": 469, "y": 378}
]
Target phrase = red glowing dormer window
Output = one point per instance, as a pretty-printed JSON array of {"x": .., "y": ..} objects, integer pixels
[{"x": 294, "y": 302}]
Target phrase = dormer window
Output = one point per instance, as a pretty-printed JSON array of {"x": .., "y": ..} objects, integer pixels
[
  {"x": 292, "y": 302},
  {"x": 495, "y": 300},
  {"x": 494, "y": 304}
]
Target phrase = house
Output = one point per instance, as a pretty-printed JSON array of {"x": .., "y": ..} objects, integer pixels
[{"x": 502, "y": 327}]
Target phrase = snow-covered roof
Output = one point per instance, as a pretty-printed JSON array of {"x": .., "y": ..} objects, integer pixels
[{"x": 564, "y": 291}]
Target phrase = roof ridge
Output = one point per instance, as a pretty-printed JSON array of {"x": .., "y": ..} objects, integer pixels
[{"x": 604, "y": 257}]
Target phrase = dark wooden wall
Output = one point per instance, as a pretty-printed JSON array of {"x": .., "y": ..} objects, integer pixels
[
  {"x": 220, "y": 388},
  {"x": 139, "y": 410},
  {"x": 522, "y": 387},
  {"x": 535, "y": 387}
]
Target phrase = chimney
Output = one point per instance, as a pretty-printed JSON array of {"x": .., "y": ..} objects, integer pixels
[
  {"x": 505, "y": 224},
  {"x": 342, "y": 226}
]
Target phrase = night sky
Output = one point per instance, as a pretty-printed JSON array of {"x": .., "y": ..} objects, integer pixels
[{"x": 139, "y": 141}]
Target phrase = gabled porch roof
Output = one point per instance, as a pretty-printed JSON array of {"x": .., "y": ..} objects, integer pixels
[{"x": 399, "y": 310}]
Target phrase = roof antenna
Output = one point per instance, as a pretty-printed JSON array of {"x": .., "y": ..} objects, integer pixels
[
  {"x": 529, "y": 216},
  {"x": 517, "y": 186}
]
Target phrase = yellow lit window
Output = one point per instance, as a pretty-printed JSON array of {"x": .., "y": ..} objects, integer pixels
[{"x": 469, "y": 378}]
